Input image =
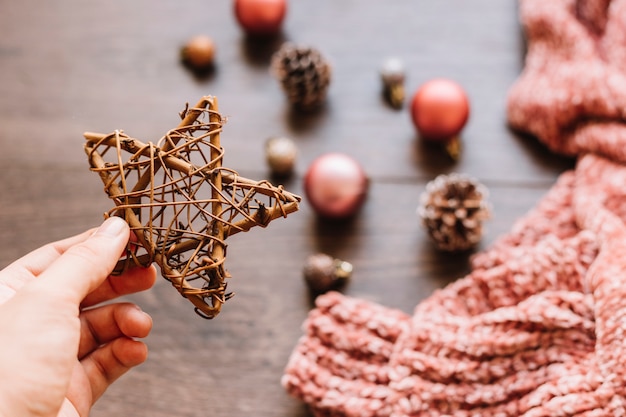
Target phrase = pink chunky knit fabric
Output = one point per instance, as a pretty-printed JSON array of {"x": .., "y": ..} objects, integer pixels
[
  {"x": 572, "y": 92},
  {"x": 538, "y": 327}
]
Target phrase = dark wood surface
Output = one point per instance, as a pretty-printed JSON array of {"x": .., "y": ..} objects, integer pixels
[{"x": 68, "y": 66}]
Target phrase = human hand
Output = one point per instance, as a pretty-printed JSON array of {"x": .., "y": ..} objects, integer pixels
[{"x": 61, "y": 350}]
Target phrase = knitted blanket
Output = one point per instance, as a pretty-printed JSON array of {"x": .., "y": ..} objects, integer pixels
[{"x": 537, "y": 328}]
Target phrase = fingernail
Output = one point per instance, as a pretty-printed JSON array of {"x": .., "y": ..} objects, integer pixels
[{"x": 112, "y": 227}]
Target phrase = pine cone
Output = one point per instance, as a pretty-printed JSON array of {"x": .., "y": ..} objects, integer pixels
[
  {"x": 453, "y": 208},
  {"x": 303, "y": 73}
]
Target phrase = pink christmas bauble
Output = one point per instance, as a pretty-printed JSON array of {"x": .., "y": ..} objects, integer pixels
[
  {"x": 440, "y": 109},
  {"x": 260, "y": 17},
  {"x": 335, "y": 185}
]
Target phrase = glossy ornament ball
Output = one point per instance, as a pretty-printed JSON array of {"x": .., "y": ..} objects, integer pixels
[
  {"x": 440, "y": 109},
  {"x": 199, "y": 52},
  {"x": 261, "y": 17},
  {"x": 335, "y": 185}
]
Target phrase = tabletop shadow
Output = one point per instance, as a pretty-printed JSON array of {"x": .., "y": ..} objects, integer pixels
[
  {"x": 258, "y": 50},
  {"x": 540, "y": 155},
  {"x": 303, "y": 120},
  {"x": 432, "y": 157}
]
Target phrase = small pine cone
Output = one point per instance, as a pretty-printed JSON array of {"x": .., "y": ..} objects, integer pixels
[
  {"x": 303, "y": 73},
  {"x": 453, "y": 208}
]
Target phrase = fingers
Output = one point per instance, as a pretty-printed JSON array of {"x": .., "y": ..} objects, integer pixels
[
  {"x": 107, "y": 349},
  {"x": 31, "y": 265},
  {"x": 104, "y": 324},
  {"x": 85, "y": 265},
  {"x": 134, "y": 280},
  {"x": 105, "y": 365}
]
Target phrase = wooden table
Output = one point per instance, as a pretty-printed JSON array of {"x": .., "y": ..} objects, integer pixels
[{"x": 70, "y": 66}]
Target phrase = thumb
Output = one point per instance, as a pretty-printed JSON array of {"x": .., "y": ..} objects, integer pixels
[{"x": 84, "y": 266}]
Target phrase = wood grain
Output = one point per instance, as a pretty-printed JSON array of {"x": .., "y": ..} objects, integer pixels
[{"x": 69, "y": 66}]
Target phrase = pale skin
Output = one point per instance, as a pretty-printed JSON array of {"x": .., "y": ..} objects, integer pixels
[{"x": 63, "y": 336}]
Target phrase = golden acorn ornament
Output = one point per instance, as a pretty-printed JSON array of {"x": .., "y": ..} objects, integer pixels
[
  {"x": 304, "y": 75},
  {"x": 280, "y": 154},
  {"x": 453, "y": 209},
  {"x": 393, "y": 75},
  {"x": 323, "y": 273},
  {"x": 198, "y": 53}
]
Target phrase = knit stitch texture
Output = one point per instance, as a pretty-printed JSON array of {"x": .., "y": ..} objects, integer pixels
[{"x": 537, "y": 328}]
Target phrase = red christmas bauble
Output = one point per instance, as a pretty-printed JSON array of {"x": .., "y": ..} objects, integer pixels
[
  {"x": 335, "y": 185},
  {"x": 440, "y": 109},
  {"x": 260, "y": 17}
]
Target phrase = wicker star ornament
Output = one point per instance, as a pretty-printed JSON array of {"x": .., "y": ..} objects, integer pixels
[{"x": 182, "y": 204}]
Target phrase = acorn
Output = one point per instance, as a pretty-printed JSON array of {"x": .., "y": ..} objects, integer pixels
[
  {"x": 199, "y": 53},
  {"x": 280, "y": 154},
  {"x": 393, "y": 75},
  {"x": 323, "y": 273}
]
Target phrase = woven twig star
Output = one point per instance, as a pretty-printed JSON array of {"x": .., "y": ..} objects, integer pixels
[{"x": 182, "y": 204}]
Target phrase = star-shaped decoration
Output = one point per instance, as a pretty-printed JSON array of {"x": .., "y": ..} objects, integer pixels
[{"x": 182, "y": 204}]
